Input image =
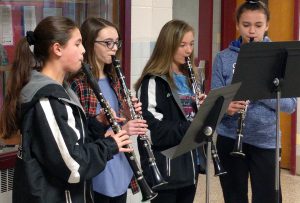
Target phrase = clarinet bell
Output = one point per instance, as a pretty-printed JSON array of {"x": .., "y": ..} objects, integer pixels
[
  {"x": 147, "y": 193},
  {"x": 219, "y": 170},
  {"x": 238, "y": 147},
  {"x": 157, "y": 177}
]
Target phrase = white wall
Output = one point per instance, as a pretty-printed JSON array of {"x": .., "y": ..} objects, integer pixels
[
  {"x": 188, "y": 12},
  {"x": 216, "y": 44},
  {"x": 147, "y": 19}
]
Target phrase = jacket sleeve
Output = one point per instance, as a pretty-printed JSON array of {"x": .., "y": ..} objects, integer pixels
[
  {"x": 58, "y": 143},
  {"x": 286, "y": 104},
  {"x": 165, "y": 133},
  {"x": 95, "y": 128},
  {"x": 218, "y": 79}
]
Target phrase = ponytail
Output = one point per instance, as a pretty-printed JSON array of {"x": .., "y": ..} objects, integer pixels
[
  {"x": 18, "y": 76},
  {"x": 49, "y": 31}
]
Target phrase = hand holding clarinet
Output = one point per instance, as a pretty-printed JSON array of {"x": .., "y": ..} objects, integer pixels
[{"x": 239, "y": 107}]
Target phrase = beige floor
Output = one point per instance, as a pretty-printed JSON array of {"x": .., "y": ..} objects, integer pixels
[{"x": 290, "y": 189}]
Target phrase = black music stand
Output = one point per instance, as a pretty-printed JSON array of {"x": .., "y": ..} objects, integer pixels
[
  {"x": 204, "y": 125},
  {"x": 269, "y": 70}
]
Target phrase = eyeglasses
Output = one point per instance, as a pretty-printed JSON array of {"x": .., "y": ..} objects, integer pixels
[{"x": 110, "y": 44}]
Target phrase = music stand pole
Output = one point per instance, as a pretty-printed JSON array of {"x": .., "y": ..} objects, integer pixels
[
  {"x": 277, "y": 158},
  {"x": 208, "y": 132}
]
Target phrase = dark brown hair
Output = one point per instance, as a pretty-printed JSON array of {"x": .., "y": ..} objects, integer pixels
[
  {"x": 89, "y": 30},
  {"x": 252, "y": 5},
  {"x": 53, "y": 29}
]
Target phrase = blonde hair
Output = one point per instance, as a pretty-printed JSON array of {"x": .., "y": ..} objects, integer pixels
[{"x": 168, "y": 41}]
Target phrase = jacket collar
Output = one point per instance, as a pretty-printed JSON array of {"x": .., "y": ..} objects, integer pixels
[
  {"x": 236, "y": 44},
  {"x": 39, "y": 81}
]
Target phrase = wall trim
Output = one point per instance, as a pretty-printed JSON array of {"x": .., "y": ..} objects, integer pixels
[
  {"x": 294, "y": 115},
  {"x": 205, "y": 38},
  {"x": 228, "y": 30},
  {"x": 125, "y": 27}
]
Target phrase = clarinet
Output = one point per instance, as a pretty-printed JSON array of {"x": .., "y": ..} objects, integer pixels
[
  {"x": 146, "y": 191},
  {"x": 238, "y": 145},
  {"x": 219, "y": 170},
  {"x": 126, "y": 93}
]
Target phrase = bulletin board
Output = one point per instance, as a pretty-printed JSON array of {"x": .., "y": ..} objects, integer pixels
[
  {"x": 20, "y": 16},
  {"x": 17, "y": 17}
]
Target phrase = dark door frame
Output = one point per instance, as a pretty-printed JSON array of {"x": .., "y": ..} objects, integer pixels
[
  {"x": 125, "y": 27},
  {"x": 205, "y": 38}
]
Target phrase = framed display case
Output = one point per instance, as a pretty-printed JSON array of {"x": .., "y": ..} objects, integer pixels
[{"x": 17, "y": 17}]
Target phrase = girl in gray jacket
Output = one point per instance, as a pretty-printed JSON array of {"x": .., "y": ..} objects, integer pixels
[{"x": 55, "y": 160}]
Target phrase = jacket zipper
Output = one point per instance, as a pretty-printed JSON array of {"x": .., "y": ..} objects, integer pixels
[
  {"x": 168, "y": 168},
  {"x": 83, "y": 136},
  {"x": 84, "y": 191},
  {"x": 92, "y": 198},
  {"x": 193, "y": 167},
  {"x": 68, "y": 196},
  {"x": 168, "y": 163},
  {"x": 167, "y": 159},
  {"x": 190, "y": 151},
  {"x": 83, "y": 132}
]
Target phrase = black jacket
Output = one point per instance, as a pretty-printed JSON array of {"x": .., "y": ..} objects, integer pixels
[
  {"x": 56, "y": 161},
  {"x": 167, "y": 124}
]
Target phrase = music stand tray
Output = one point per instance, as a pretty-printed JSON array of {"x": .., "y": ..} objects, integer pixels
[{"x": 258, "y": 64}]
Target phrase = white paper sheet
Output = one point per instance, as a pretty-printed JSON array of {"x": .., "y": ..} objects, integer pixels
[
  {"x": 29, "y": 18},
  {"x": 6, "y": 29}
]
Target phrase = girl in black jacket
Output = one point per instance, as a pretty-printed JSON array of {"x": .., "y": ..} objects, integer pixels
[
  {"x": 168, "y": 107},
  {"x": 55, "y": 159}
]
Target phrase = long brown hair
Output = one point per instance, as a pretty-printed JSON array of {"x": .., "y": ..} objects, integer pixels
[
  {"x": 50, "y": 30},
  {"x": 167, "y": 43},
  {"x": 89, "y": 30}
]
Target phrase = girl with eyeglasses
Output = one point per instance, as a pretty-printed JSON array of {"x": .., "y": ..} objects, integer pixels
[
  {"x": 259, "y": 132},
  {"x": 101, "y": 40}
]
